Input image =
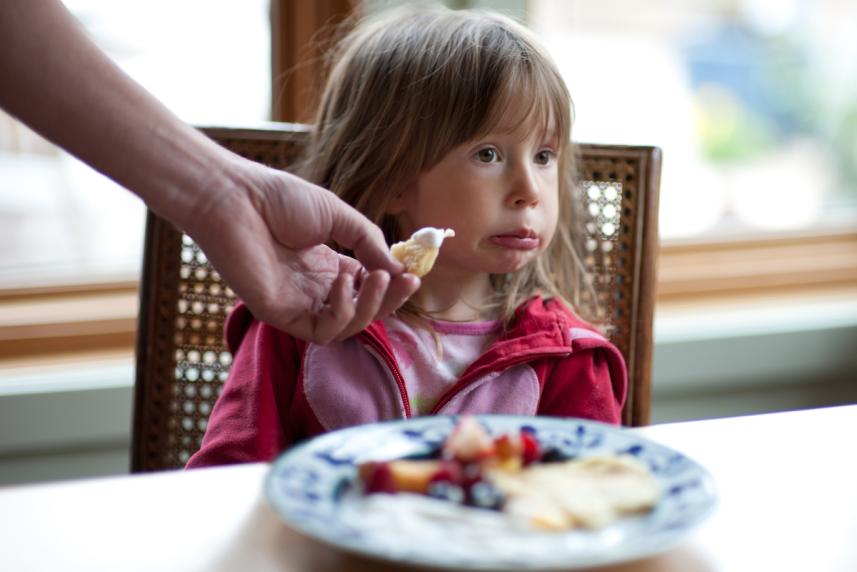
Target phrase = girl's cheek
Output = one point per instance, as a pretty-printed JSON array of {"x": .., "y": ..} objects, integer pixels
[{"x": 549, "y": 235}]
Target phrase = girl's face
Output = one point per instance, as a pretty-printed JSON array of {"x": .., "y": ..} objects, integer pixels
[{"x": 498, "y": 192}]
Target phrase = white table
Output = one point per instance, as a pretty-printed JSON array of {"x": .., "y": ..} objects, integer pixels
[{"x": 787, "y": 483}]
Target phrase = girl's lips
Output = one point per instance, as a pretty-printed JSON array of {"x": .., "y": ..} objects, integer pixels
[{"x": 515, "y": 241}]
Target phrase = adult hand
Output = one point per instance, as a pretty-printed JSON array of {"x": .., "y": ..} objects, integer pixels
[{"x": 266, "y": 237}]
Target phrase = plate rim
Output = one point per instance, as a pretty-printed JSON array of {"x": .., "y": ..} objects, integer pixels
[{"x": 641, "y": 552}]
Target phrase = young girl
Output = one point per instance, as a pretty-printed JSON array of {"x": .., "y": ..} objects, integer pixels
[{"x": 448, "y": 119}]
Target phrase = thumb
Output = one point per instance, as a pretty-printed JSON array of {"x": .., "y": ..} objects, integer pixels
[{"x": 357, "y": 233}]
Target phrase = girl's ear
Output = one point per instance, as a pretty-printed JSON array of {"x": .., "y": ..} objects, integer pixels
[{"x": 397, "y": 204}]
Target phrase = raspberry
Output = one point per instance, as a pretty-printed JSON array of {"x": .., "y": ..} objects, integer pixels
[
  {"x": 531, "y": 450},
  {"x": 449, "y": 472}
]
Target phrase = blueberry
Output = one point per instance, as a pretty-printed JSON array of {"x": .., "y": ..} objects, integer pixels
[
  {"x": 554, "y": 455},
  {"x": 445, "y": 490},
  {"x": 485, "y": 495}
]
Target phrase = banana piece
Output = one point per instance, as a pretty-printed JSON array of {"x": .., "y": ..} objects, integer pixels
[{"x": 419, "y": 252}]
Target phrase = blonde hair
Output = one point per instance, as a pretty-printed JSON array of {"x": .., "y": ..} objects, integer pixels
[{"x": 406, "y": 88}]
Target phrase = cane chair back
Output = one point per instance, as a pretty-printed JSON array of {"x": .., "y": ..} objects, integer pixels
[{"x": 182, "y": 359}]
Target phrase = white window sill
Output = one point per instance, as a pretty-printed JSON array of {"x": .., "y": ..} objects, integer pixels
[
  {"x": 755, "y": 343},
  {"x": 82, "y": 405}
]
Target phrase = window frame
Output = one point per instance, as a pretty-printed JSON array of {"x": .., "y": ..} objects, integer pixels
[
  {"x": 72, "y": 318},
  {"x": 793, "y": 263}
]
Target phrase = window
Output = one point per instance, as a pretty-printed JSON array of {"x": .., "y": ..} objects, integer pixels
[
  {"x": 62, "y": 223},
  {"x": 752, "y": 101}
]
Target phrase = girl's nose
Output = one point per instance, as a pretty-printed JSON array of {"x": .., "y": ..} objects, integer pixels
[{"x": 525, "y": 191}]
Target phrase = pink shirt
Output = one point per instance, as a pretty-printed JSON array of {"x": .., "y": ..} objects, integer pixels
[{"x": 427, "y": 372}]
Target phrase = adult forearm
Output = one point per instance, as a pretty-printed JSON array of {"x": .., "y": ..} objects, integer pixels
[
  {"x": 60, "y": 84},
  {"x": 263, "y": 229}
]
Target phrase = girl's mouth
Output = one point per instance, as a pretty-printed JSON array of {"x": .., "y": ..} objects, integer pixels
[{"x": 520, "y": 240}]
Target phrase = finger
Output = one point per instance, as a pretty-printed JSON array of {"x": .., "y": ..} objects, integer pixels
[
  {"x": 355, "y": 232},
  {"x": 353, "y": 267},
  {"x": 369, "y": 299},
  {"x": 348, "y": 265},
  {"x": 400, "y": 289},
  {"x": 338, "y": 313}
]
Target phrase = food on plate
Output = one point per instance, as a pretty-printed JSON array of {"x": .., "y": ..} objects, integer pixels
[
  {"x": 586, "y": 493},
  {"x": 419, "y": 252},
  {"x": 511, "y": 473}
]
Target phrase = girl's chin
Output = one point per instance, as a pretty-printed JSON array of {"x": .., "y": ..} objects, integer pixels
[
  {"x": 510, "y": 264},
  {"x": 491, "y": 262}
]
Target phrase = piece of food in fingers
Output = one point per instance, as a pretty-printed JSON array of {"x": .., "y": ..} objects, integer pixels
[{"x": 419, "y": 252}]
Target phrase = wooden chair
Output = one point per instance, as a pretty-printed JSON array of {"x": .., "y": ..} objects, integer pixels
[{"x": 182, "y": 360}]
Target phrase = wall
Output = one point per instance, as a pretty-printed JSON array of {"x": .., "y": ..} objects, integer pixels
[{"x": 76, "y": 423}]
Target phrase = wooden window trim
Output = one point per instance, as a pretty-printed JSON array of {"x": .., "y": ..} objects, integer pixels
[
  {"x": 67, "y": 320},
  {"x": 300, "y": 32},
  {"x": 700, "y": 271}
]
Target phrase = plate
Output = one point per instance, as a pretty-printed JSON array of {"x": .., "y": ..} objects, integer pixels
[{"x": 314, "y": 489}]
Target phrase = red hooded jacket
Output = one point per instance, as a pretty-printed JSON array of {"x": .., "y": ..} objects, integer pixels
[{"x": 282, "y": 390}]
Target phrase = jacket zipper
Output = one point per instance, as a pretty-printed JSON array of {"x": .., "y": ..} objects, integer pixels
[{"x": 394, "y": 369}]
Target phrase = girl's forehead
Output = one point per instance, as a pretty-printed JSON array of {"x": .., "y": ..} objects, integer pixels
[
  {"x": 522, "y": 124},
  {"x": 525, "y": 106}
]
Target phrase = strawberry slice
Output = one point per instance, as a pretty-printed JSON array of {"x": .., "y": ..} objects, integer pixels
[{"x": 377, "y": 477}]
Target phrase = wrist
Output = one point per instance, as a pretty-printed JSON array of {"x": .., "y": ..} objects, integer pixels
[{"x": 195, "y": 195}]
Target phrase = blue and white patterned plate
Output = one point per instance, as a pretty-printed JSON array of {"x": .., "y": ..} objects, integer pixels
[{"x": 313, "y": 488}]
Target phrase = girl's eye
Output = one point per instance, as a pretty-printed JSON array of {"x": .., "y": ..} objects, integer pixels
[
  {"x": 487, "y": 155},
  {"x": 544, "y": 157}
]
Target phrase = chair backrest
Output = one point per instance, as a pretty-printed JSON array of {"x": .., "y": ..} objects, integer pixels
[{"x": 182, "y": 360}]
